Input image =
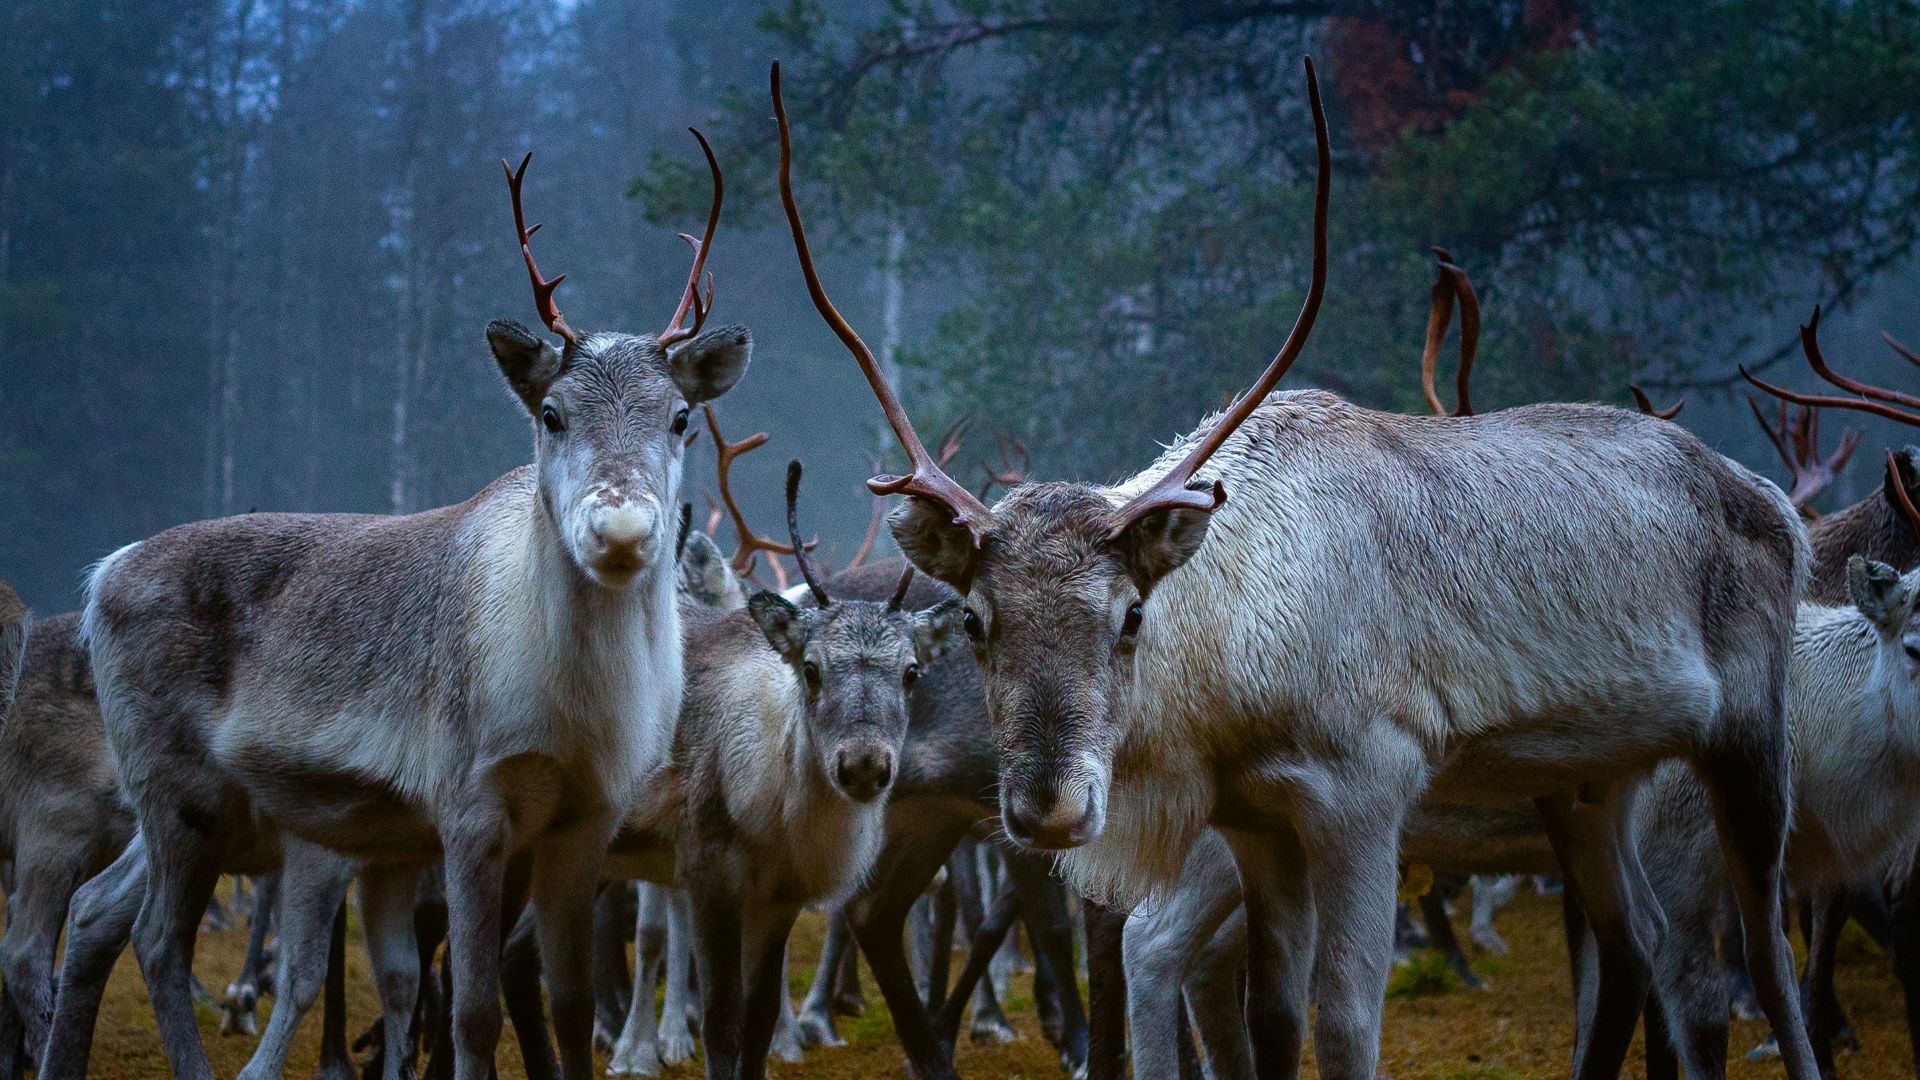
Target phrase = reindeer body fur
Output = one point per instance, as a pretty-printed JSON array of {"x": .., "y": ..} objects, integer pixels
[
  {"x": 1403, "y": 584},
  {"x": 355, "y": 674}
]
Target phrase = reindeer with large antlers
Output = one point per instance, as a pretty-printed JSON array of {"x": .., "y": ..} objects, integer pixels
[
  {"x": 1386, "y": 606},
  {"x": 487, "y": 684}
]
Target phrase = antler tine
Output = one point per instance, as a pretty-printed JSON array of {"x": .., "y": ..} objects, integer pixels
[
  {"x": 793, "y": 534},
  {"x": 951, "y": 440},
  {"x": 1172, "y": 490},
  {"x": 1905, "y": 353},
  {"x": 1810, "y": 344},
  {"x": 724, "y": 454},
  {"x": 1014, "y": 461},
  {"x": 542, "y": 288},
  {"x": 867, "y": 541},
  {"x": 1438, "y": 318},
  {"x": 1796, "y": 437},
  {"x": 1645, "y": 403},
  {"x": 1900, "y": 495},
  {"x": 925, "y": 478},
  {"x": 900, "y": 591},
  {"x": 690, "y": 296}
]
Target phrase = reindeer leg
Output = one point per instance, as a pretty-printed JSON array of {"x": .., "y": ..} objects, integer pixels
[
  {"x": 1433, "y": 908},
  {"x": 612, "y": 982},
  {"x": 184, "y": 862},
  {"x": 476, "y": 875},
  {"x": 878, "y": 919},
  {"x": 238, "y": 1012},
  {"x": 678, "y": 1007},
  {"x": 387, "y": 911},
  {"x": 99, "y": 924},
  {"x": 764, "y": 948},
  {"x": 315, "y": 882},
  {"x": 1106, "y": 991},
  {"x": 1043, "y": 907},
  {"x": 1216, "y": 985},
  {"x": 817, "y": 1026},
  {"x": 1281, "y": 931},
  {"x": 1817, "y": 1000},
  {"x": 520, "y": 964},
  {"x": 48, "y": 866},
  {"x": 1161, "y": 945},
  {"x": 637, "y": 1053},
  {"x": 717, "y": 940}
]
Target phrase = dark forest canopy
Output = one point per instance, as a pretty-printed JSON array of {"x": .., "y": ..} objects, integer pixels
[{"x": 247, "y": 247}]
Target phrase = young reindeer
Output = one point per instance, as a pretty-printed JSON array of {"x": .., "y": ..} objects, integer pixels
[
  {"x": 484, "y": 683},
  {"x": 1387, "y": 606},
  {"x": 787, "y": 746}
]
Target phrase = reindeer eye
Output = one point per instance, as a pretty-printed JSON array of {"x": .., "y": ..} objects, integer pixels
[
  {"x": 679, "y": 423},
  {"x": 912, "y": 676},
  {"x": 971, "y": 624},
  {"x": 812, "y": 673},
  {"x": 550, "y": 418},
  {"x": 1131, "y": 624}
]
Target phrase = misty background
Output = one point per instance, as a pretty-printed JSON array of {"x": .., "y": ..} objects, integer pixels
[{"x": 248, "y": 247}]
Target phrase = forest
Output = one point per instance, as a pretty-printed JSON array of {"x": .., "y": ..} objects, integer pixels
[{"x": 248, "y": 247}]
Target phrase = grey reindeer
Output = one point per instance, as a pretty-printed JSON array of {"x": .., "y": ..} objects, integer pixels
[
  {"x": 1387, "y": 606},
  {"x": 488, "y": 684}
]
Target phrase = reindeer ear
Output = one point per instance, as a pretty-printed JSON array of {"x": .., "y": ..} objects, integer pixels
[
  {"x": 781, "y": 622},
  {"x": 932, "y": 541},
  {"x": 1879, "y": 592},
  {"x": 936, "y": 630},
  {"x": 1159, "y": 543},
  {"x": 529, "y": 362},
  {"x": 709, "y": 364}
]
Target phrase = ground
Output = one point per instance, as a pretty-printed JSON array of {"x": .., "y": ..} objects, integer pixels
[{"x": 1519, "y": 1028}]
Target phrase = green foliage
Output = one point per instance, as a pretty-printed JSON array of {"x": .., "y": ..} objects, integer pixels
[
  {"x": 1423, "y": 974},
  {"x": 1110, "y": 197}
]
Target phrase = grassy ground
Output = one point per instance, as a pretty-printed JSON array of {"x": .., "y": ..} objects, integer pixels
[{"x": 1519, "y": 1028}]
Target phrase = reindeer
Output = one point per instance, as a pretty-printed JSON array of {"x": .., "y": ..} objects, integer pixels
[
  {"x": 1854, "y": 703},
  {"x": 788, "y": 743},
  {"x": 487, "y": 683},
  {"x": 1412, "y": 605}
]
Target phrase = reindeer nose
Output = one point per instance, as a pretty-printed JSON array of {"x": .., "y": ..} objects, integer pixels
[
  {"x": 622, "y": 530},
  {"x": 863, "y": 774},
  {"x": 1040, "y": 819}
]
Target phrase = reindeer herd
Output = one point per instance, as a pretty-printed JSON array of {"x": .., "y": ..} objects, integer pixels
[{"x": 1214, "y": 710}]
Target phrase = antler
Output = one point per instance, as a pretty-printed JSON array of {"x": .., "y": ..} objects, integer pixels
[
  {"x": 900, "y": 591},
  {"x": 1899, "y": 486},
  {"x": 1645, "y": 403},
  {"x": 1449, "y": 282},
  {"x": 1172, "y": 490},
  {"x": 1897, "y": 405},
  {"x": 1796, "y": 436},
  {"x": 690, "y": 297},
  {"x": 793, "y": 534},
  {"x": 1014, "y": 461},
  {"x": 542, "y": 288},
  {"x": 750, "y": 541},
  {"x": 925, "y": 477},
  {"x": 1904, "y": 352}
]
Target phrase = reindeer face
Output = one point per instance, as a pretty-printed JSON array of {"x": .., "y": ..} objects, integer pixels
[
  {"x": 1055, "y": 603},
  {"x": 856, "y": 662},
  {"x": 1887, "y": 598},
  {"x": 609, "y": 414}
]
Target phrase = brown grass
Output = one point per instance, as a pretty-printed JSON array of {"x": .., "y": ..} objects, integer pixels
[{"x": 1519, "y": 1028}]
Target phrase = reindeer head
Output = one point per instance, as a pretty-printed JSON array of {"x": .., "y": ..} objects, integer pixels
[
  {"x": 610, "y": 410},
  {"x": 1056, "y": 578},
  {"x": 1886, "y": 597},
  {"x": 856, "y": 661}
]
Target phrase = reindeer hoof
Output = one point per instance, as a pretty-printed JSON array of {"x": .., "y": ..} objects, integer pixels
[
  {"x": 635, "y": 1058},
  {"x": 1490, "y": 942},
  {"x": 991, "y": 1029},
  {"x": 676, "y": 1048},
  {"x": 816, "y": 1029},
  {"x": 1770, "y": 1048},
  {"x": 850, "y": 1004}
]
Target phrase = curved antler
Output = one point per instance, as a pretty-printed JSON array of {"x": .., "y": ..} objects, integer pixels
[
  {"x": 1012, "y": 471},
  {"x": 1645, "y": 403},
  {"x": 750, "y": 541},
  {"x": 793, "y": 535},
  {"x": 1171, "y": 491},
  {"x": 1450, "y": 282},
  {"x": 542, "y": 288},
  {"x": 1904, "y": 352},
  {"x": 1897, "y": 405},
  {"x": 1900, "y": 495},
  {"x": 925, "y": 478},
  {"x": 690, "y": 297},
  {"x": 900, "y": 591}
]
